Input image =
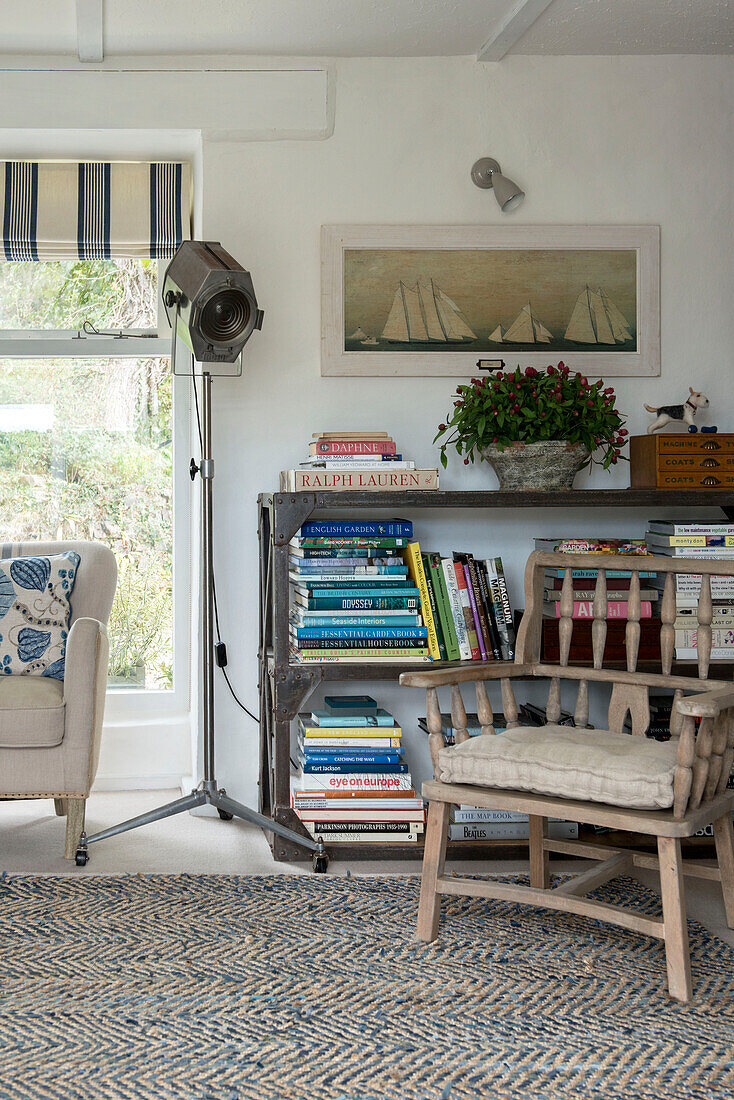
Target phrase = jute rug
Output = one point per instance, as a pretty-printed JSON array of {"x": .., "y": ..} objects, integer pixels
[{"x": 227, "y": 988}]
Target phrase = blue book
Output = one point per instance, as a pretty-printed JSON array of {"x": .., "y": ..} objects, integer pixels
[
  {"x": 304, "y": 632},
  {"x": 320, "y": 568},
  {"x": 345, "y": 769},
  {"x": 342, "y": 528},
  {"x": 326, "y": 720},
  {"x": 355, "y": 704},
  {"x": 586, "y": 573},
  {"x": 340, "y": 601},
  {"x": 358, "y": 620},
  {"x": 352, "y": 758}
]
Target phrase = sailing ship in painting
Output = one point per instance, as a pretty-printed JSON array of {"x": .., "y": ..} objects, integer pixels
[
  {"x": 597, "y": 320},
  {"x": 423, "y": 314},
  {"x": 527, "y": 328}
]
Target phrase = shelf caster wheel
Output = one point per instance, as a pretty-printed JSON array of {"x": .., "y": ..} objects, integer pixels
[
  {"x": 225, "y": 816},
  {"x": 82, "y": 857},
  {"x": 320, "y": 864}
]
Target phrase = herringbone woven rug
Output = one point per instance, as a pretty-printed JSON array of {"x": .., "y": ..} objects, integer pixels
[{"x": 227, "y": 988}]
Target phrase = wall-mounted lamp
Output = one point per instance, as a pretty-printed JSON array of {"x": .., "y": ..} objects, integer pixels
[{"x": 487, "y": 173}]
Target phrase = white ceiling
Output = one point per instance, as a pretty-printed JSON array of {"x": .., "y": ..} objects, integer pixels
[{"x": 369, "y": 28}]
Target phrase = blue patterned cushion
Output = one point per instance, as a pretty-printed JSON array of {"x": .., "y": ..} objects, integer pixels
[{"x": 34, "y": 613}]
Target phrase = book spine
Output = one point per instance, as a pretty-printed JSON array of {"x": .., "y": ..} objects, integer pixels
[
  {"x": 344, "y": 529},
  {"x": 357, "y": 656},
  {"x": 351, "y": 742},
  {"x": 323, "y": 768},
  {"x": 325, "y": 571},
  {"x": 487, "y": 600},
  {"x": 346, "y": 555},
  {"x": 508, "y": 635},
  {"x": 689, "y": 530},
  {"x": 444, "y": 608},
  {"x": 720, "y": 639},
  {"x": 334, "y": 543},
  {"x": 350, "y": 759},
  {"x": 466, "y": 611},
  {"x": 352, "y": 646},
  {"x": 359, "y": 620},
  {"x": 442, "y": 655},
  {"x": 362, "y": 633},
  {"x": 587, "y": 574},
  {"x": 691, "y": 540},
  {"x": 362, "y": 781},
  {"x": 367, "y": 827},
  {"x": 457, "y": 610},
  {"x": 510, "y": 830},
  {"x": 690, "y": 653},
  {"x": 353, "y": 447},
  {"x": 616, "y": 609},
  {"x": 474, "y": 611},
  {"x": 415, "y": 564},
  {"x": 357, "y": 603},
  {"x": 296, "y": 481},
  {"x": 474, "y": 814},
  {"x": 323, "y": 589},
  {"x": 476, "y": 585},
  {"x": 497, "y": 606}
]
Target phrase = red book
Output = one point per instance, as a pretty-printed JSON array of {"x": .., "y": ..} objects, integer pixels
[
  {"x": 616, "y": 584},
  {"x": 354, "y": 447},
  {"x": 584, "y": 609}
]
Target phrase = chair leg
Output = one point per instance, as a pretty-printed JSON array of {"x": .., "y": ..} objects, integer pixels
[
  {"x": 75, "y": 808},
  {"x": 60, "y": 807},
  {"x": 677, "y": 954},
  {"x": 724, "y": 837},
  {"x": 539, "y": 861},
  {"x": 434, "y": 854}
]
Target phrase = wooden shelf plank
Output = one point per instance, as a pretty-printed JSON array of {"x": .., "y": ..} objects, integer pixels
[{"x": 569, "y": 498}]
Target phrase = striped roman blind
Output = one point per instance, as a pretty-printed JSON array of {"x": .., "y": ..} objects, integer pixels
[{"x": 64, "y": 211}]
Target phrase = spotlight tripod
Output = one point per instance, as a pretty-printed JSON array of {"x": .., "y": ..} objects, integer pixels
[{"x": 208, "y": 792}]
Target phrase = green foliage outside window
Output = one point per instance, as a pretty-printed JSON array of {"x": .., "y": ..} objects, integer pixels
[{"x": 91, "y": 457}]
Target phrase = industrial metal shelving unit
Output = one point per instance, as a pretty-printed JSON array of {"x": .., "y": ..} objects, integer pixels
[{"x": 284, "y": 686}]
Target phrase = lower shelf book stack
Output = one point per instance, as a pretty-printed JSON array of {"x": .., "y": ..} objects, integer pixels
[{"x": 352, "y": 782}]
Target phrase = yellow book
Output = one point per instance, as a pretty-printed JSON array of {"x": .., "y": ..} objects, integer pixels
[
  {"x": 385, "y": 732},
  {"x": 418, "y": 573}
]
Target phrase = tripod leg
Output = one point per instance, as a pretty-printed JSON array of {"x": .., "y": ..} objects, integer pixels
[
  {"x": 180, "y": 806},
  {"x": 224, "y": 802}
]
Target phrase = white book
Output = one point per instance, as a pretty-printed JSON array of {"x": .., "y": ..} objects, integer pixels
[
  {"x": 353, "y": 781},
  {"x": 688, "y": 653},
  {"x": 365, "y": 838},
  {"x": 671, "y": 527},
  {"x": 457, "y": 613}
]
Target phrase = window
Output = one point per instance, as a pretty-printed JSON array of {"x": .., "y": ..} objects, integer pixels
[{"x": 87, "y": 440}]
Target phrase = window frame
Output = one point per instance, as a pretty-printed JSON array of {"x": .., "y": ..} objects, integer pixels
[{"x": 136, "y": 704}]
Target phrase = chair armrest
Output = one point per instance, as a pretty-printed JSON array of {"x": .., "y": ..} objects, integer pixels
[
  {"x": 708, "y": 704},
  {"x": 467, "y": 674},
  {"x": 85, "y": 683}
]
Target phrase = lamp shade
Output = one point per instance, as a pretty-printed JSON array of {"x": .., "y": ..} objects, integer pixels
[{"x": 506, "y": 191}]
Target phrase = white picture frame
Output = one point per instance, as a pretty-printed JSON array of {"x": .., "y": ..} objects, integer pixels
[{"x": 636, "y": 350}]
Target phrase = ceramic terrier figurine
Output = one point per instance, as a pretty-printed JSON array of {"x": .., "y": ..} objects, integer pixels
[{"x": 668, "y": 414}]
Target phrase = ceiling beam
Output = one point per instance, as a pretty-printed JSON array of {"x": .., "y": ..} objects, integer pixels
[
  {"x": 510, "y": 30},
  {"x": 89, "y": 30}
]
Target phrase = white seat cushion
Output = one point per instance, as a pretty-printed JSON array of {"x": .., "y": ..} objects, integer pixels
[
  {"x": 31, "y": 712},
  {"x": 587, "y": 765}
]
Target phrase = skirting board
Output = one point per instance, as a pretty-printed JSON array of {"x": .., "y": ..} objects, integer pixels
[{"x": 138, "y": 783}]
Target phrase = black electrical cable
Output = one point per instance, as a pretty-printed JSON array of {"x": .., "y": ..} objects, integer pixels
[{"x": 221, "y": 655}]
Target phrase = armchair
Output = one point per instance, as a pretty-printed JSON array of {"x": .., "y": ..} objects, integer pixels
[
  {"x": 50, "y": 730},
  {"x": 601, "y": 777}
]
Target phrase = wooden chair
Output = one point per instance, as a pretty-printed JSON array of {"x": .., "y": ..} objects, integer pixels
[{"x": 698, "y": 763}]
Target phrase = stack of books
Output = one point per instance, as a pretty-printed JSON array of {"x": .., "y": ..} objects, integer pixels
[
  {"x": 584, "y": 581},
  {"x": 353, "y": 598},
  {"x": 356, "y": 460},
  {"x": 465, "y": 606},
  {"x": 697, "y": 540},
  {"x": 353, "y": 783}
]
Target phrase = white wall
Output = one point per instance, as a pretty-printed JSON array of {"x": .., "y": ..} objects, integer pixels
[{"x": 591, "y": 140}]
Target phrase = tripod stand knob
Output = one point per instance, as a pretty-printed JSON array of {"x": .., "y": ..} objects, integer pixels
[{"x": 193, "y": 470}]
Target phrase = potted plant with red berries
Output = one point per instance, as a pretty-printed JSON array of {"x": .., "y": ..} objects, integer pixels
[{"x": 537, "y": 429}]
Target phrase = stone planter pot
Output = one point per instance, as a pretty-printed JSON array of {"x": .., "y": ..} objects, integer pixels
[{"x": 542, "y": 467}]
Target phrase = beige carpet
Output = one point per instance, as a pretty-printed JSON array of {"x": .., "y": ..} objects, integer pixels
[{"x": 32, "y": 840}]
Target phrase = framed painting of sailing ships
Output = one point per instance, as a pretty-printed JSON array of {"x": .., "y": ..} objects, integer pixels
[{"x": 432, "y": 300}]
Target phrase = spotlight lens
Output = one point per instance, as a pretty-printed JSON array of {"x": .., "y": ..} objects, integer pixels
[{"x": 225, "y": 316}]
